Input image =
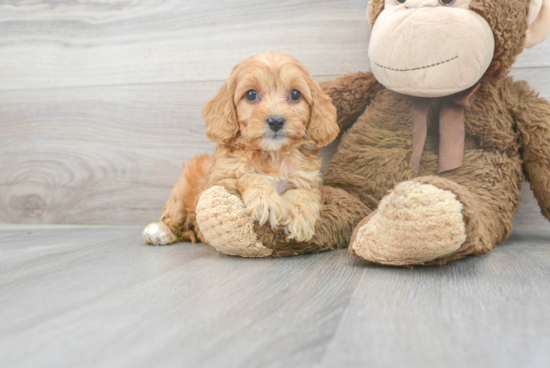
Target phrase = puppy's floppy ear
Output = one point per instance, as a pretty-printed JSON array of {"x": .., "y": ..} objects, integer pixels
[
  {"x": 220, "y": 113},
  {"x": 322, "y": 128}
]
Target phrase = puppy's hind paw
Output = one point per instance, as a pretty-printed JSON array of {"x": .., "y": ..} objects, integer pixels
[{"x": 158, "y": 233}]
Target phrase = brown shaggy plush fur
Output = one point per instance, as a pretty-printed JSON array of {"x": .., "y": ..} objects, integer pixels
[{"x": 507, "y": 139}]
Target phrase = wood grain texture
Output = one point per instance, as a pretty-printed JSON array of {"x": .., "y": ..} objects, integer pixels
[
  {"x": 73, "y": 43},
  {"x": 487, "y": 311},
  {"x": 97, "y": 297},
  {"x": 73, "y": 297},
  {"x": 97, "y": 155},
  {"x": 536, "y": 57},
  {"x": 101, "y": 155}
]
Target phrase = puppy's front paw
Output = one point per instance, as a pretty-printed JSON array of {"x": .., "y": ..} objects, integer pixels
[
  {"x": 305, "y": 208},
  {"x": 301, "y": 230},
  {"x": 157, "y": 233},
  {"x": 301, "y": 226},
  {"x": 267, "y": 206}
]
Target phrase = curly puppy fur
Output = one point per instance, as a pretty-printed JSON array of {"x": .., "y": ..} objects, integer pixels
[{"x": 275, "y": 171}]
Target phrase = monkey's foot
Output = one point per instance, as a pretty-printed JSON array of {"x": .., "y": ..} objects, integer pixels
[
  {"x": 227, "y": 225},
  {"x": 417, "y": 223}
]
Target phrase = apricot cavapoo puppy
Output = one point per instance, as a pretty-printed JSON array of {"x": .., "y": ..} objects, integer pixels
[{"x": 268, "y": 119}]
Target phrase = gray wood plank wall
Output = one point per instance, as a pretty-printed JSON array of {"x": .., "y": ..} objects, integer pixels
[{"x": 100, "y": 100}]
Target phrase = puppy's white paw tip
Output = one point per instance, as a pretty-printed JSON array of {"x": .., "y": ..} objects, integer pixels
[
  {"x": 153, "y": 234},
  {"x": 152, "y": 229}
]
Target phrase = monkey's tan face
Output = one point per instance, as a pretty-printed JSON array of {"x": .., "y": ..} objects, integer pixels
[
  {"x": 430, "y": 48},
  {"x": 273, "y": 100}
]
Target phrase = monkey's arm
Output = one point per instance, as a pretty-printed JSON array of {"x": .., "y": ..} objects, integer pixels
[
  {"x": 351, "y": 94},
  {"x": 532, "y": 115}
]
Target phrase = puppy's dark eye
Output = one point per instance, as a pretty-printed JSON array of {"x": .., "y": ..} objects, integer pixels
[
  {"x": 295, "y": 95},
  {"x": 251, "y": 95},
  {"x": 401, "y": 1},
  {"x": 446, "y": 2}
]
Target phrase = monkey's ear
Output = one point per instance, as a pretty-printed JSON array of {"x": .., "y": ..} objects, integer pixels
[
  {"x": 374, "y": 8},
  {"x": 322, "y": 128},
  {"x": 220, "y": 113},
  {"x": 539, "y": 22},
  {"x": 370, "y": 14}
]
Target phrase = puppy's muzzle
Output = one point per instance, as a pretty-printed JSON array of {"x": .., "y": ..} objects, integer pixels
[{"x": 275, "y": 122}]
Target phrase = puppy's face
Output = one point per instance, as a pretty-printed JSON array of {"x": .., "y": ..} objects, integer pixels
[
  {"x": 273, "y": 99},
  {"x": 271, "y": 102}
]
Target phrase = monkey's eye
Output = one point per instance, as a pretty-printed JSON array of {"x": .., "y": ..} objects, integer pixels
[
  {"x": 447, "y": 2},
  {"x": 295, "y": 95},
  {"x": 251, "y": 95},
  {"x": 401, "y": 1}
]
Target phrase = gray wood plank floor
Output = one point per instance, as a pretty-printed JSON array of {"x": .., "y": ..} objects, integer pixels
[{"x": 83, "y": 296}]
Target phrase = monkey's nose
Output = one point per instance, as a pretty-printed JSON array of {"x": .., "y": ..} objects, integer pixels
[{"x": 276, "y": 122}]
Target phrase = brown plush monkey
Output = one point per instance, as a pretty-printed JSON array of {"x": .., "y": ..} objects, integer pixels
[{"x": 438, "y": 140}]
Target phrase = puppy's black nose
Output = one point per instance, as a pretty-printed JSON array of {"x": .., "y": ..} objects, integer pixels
[{"x": 276, "y": 122}]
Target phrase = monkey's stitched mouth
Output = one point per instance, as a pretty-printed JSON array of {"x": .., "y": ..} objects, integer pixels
[{"x": 419, "y": 68}]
